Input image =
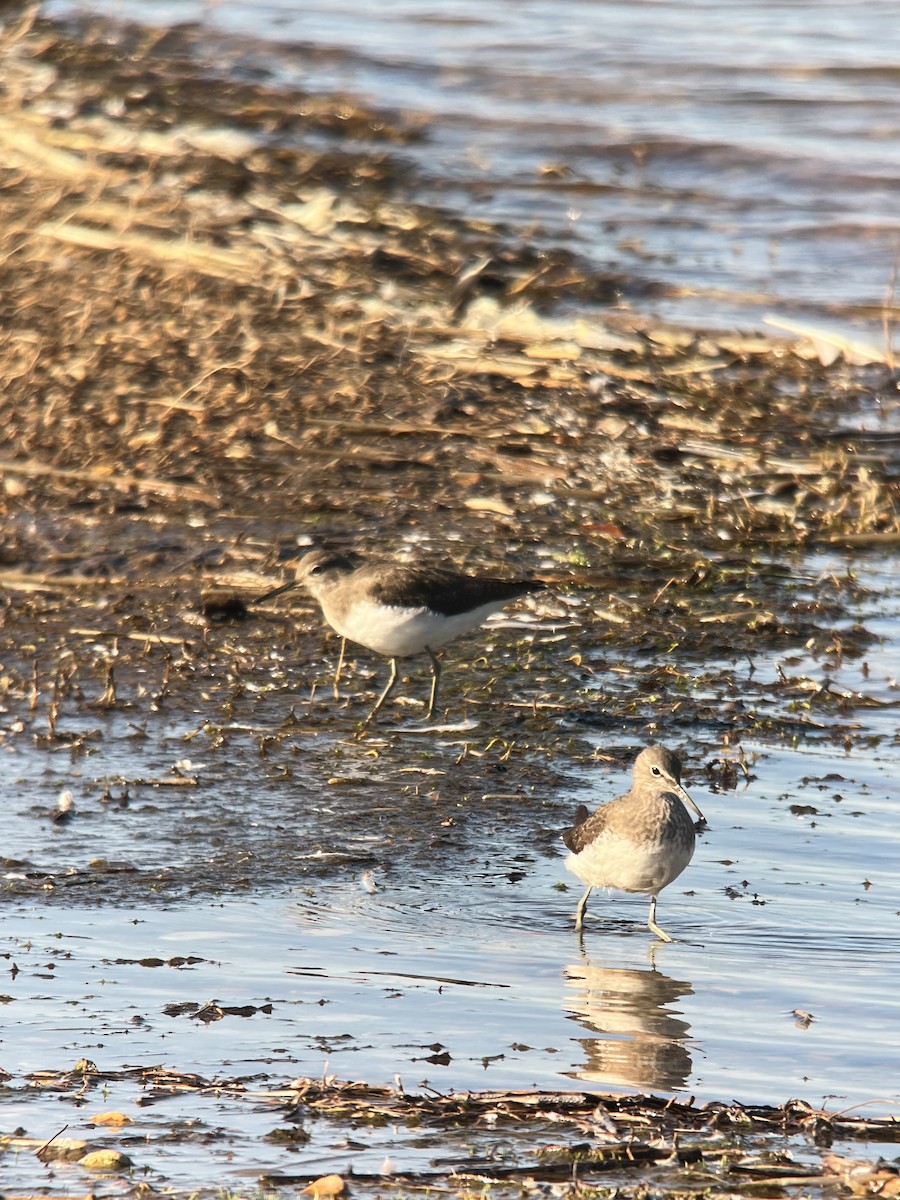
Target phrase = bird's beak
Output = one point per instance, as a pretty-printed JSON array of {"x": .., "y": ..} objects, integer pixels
[
  {"x": 285, "y": 587},
  {"x": 686, "y": 798}
]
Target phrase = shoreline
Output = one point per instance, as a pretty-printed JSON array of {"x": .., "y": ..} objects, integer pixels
[{"x": 232, "y": 328}]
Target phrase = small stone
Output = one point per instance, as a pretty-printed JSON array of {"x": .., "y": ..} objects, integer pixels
[{"x": 105, "y": 1160}]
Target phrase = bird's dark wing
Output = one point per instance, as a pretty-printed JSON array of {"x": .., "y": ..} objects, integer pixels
[
  {"x": 446, "y": 592},
  {"x": 573, "y": 837}
]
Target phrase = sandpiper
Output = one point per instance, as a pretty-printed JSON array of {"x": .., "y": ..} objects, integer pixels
[
  {"x": 638, "y": 842},
  {"x": 401, "y": 609}
]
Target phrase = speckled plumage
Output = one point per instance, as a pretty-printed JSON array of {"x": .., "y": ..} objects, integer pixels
[{"x": 638, "y": 842}]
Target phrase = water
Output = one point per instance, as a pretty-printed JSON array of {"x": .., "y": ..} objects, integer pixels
[
  {"x": 396, "y": 930},
  {"x": 372, "y": 915},
  {"x": 752, "y": 167},
  {"x": 727, "y": 159},
  {"x": 783, "y": 981}
]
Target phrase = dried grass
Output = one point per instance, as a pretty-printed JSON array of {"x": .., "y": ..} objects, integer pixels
[
  {"x": 193, "y": 318},
  {"x": 586, "y": 1141}
]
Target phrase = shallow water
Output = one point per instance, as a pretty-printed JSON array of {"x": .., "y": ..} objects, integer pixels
[
  {"x": 726, "y": 159},
  {"x": 394, "y": 933},
  {"x": 474, "y": 977},
  {"x": 374, "y": 908}
]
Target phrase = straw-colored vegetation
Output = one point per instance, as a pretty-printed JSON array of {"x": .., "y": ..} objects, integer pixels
[
  {"x": 588, "y": 1145},
  {"x": 227, "y": 323},
  {"x": 200, "y": 309}
]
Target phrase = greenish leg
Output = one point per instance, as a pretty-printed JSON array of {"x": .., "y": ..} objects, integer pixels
[
  {"x": 652, "y": 925},
  {"x": 435, "y": 680},
  {"x": 340, "y": 667},
  {"x": 580, "y": 910},
  {"x": 387, "y": 691}
]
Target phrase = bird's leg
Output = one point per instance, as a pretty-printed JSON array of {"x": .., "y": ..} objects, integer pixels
[
  {"x": 340, "y": 667},
  {"x": 435, "y": 680},
  {"x": 652, "y": 925},
  {"x": 580, "y": 910},
  {"x": 387, "y": 691}
]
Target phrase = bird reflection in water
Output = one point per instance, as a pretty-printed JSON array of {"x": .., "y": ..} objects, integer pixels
[{"x": 640, "y": 1037}]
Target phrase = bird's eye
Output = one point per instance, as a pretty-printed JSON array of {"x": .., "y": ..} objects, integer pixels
[
  {"x": 655, "y": 771},
  {"x": 317, "y": 569}
]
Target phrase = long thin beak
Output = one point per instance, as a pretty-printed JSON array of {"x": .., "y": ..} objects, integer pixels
[
  {"x": 684, "y": 796},
  {"x": 285, "y": 587}
]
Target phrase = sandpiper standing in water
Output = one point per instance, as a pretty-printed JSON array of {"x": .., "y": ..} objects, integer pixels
[
  {"x": 638, "y": 842},
  {"x": 401, "y": 609}
]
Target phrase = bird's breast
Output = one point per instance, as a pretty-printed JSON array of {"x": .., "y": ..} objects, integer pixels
[
  {"x": 401, "y": 632},
  {"x": 634, "y": 864}
]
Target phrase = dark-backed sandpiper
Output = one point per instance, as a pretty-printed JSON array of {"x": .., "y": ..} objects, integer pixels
[
  {"x": 638, "y": 842},
  {"x": 401, "y": 609}
]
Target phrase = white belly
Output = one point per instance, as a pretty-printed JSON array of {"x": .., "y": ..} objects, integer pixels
[
  {"x": 617, "y": 862},
  {"x": 403, "y": 632}
]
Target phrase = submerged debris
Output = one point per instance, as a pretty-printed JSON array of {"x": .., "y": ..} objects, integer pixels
[
  {"x": 243, "y": 341},
  {"x": 226, "y": 338},
  {"x": 548, "y": 1138}
]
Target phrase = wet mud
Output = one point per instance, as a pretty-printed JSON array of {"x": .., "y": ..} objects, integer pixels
[{"x": 232, "y": 332}]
